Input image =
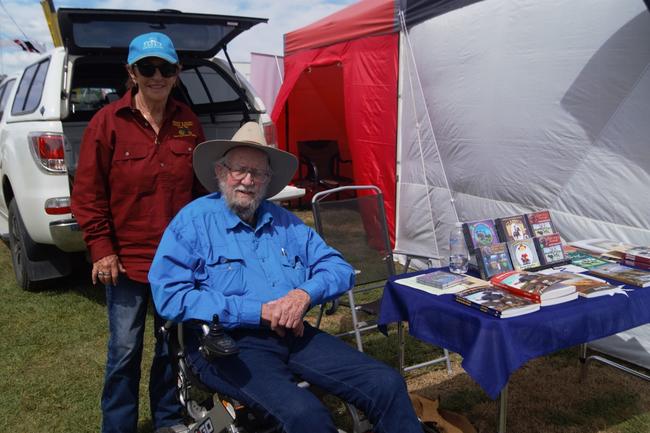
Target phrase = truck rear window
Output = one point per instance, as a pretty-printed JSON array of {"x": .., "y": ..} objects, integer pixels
[{"x": 30, "y": 89}]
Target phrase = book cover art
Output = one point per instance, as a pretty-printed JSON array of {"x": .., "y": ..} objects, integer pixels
[
  {"x": 589, "y": 287},
  {"x": 497, "y": 302},
  {"x": 622, "y": 273},
  {"x": 536, "y": 286},
  {"x": 523, "y": 254},
  {"x": 635, "y": 264},
  {"x": 472, "y": 282},
  {"x": 480, "y": 233},
  {"x": 638, "y": 254},
  {"x": 549, "y": 248},
  {"x": 493, "y": 260},
  {"x": 582, "y": 259},
  {"x": 512, "y": 228},
  {"x": 440, "y": 279},
  {"x": 605, "y": 247},
  {"x": 540, "y": 223}
]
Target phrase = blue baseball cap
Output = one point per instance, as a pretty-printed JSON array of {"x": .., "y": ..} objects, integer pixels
[{"x": 152, "y": 45}]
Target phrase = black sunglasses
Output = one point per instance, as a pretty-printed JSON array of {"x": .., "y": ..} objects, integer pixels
[{"x": 148, "y": 70}]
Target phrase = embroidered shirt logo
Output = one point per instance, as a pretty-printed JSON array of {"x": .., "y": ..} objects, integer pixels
[{"x": 184, "y": 129}]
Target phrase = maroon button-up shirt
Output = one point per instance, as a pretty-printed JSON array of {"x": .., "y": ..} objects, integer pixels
[{"x": 131, "y": 182}]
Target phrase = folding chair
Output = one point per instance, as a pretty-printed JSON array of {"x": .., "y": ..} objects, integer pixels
[
  {"x": 356, "y": 226},
  {"x": 320, "y": 165}
]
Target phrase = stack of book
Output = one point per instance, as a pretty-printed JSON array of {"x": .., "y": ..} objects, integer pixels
[
  {"x": 623, "y": 274},
  {"x": 638, "y": 257},
  {"x": 541, "y": 288},
  {"x": 496, "y": 301}
]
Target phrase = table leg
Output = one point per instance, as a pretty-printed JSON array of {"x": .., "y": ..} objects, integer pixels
[{"x": 503, "y": 409}]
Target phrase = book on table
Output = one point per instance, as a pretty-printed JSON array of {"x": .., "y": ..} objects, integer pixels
[
  {"x": 588, "y": 286},
  {"x": 635, "y": 264},
  {"x": 549, "y": 248},
  {"x": 480, "y": 233},
  {"x": 512, "y": 228},
  {"x": 523, "y": 254},
  {"x": 440, "y": 279},
  {"x": 582, "y": 259},
  {"x": 623, "y": 274},
  {"x": 637, "y": 255},
  {"x": 496, "y": 301},
  {"x": 543, "y": 288},
  {"x": 493, "y": 260},
  {"x": 540, "y": 223},
  {"x": 604, "y": 248}
]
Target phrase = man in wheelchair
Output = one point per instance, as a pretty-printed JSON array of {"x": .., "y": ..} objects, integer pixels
[{"x": 259, "y": 268}]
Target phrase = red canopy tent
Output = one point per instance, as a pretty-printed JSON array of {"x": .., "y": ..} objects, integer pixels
[{"x": 341, "y": 83}]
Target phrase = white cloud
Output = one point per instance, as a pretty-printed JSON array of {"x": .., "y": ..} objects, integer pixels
[{"x": 284, "y": 16}]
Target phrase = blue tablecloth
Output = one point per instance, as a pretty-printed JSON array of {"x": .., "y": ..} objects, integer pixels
[{"x": 493, "y": 348}]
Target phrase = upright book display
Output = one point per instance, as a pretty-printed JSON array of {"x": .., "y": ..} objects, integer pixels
[
  {"x": 523, "y": 254},
  {"x": 549, "y": 249},
  {"x": 512, "y": 228},
  {"x": 479, "y": 234},
  {"x": 540, "y": 223},
  {"x": 493, "y": 260}
]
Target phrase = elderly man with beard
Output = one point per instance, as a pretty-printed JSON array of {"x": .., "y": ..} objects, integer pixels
[{"x": 260, "y": 268}]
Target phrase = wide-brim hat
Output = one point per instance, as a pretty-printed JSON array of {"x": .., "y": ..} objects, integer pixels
[{"x": 283, "y": 164}]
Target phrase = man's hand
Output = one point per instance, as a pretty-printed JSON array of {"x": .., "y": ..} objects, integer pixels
[
  {"x": 107, "y": 270},
  {"x": 287, "y": 312}
]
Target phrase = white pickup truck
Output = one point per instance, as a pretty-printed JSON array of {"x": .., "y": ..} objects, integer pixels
[{"x": 45, "y": 109}]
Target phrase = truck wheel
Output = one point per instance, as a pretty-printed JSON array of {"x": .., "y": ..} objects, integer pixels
[{"x": 17, "y": 245}]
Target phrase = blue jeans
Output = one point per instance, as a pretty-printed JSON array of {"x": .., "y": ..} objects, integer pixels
[
  {"x": 262, "y": 377},
  {"x": 127, "y": 304}
]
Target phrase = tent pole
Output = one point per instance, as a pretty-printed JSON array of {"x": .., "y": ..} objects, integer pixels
[{"x": 435, "y": 141}]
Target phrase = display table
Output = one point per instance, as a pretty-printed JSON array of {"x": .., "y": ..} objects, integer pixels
[{"x": 493, "y": 348}]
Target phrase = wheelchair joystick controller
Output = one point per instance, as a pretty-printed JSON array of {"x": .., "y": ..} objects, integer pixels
[{"x": 217, "y": 344}]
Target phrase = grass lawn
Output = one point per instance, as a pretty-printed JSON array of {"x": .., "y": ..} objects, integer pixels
[{"x": 52, "y": 354}]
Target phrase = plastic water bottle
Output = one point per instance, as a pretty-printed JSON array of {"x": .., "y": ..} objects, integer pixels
[{"x": 458, "y": 254}]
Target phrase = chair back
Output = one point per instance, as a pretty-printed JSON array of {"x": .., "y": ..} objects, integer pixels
[
  {"x": 320, "y": 154},
  {"x": 356, "y": 227}
]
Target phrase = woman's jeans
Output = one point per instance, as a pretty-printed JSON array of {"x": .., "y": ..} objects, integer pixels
[{"x": 127, "y": 304}]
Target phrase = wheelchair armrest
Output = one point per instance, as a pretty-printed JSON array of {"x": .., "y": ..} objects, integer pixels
[{"x": 216, "y": 343}]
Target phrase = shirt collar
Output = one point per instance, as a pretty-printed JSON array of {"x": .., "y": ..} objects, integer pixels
[
  {"x": 126, "y": 103},
  {"x": 232, "y": 221}
]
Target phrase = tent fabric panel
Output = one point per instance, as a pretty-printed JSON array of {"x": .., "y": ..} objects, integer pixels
[
  {"x": 370, "y": 68},
  {"x": 365, "y": 18},
  {"x": 536, "y": 109},
  {"x": 369, "y": 73},
  {"x": 417, "y": 11}
]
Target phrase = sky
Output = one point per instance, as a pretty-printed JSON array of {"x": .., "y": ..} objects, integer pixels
[{"x": 284, "y": 16}]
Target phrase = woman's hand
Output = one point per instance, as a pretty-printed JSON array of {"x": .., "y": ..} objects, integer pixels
[{"x": 106, "y": 270}]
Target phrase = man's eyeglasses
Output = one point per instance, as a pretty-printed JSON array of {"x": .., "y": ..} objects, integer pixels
[
  {"x": 148, "y": 70},
  {"x": 239, "y": 173}
]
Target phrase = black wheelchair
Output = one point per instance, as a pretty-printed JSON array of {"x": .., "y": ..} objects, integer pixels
[{"x": 210, "y": 411}]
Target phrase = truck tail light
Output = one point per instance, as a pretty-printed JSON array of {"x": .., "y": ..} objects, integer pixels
[
  {"x": 57, "y": 206},
  {"x": 47, "y": 150},
  {"x": 269, "y": 133}
]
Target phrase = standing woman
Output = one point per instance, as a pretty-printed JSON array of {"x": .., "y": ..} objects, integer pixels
[{"x": 134, "y": 174}]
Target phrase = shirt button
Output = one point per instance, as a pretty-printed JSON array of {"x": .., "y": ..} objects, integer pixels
[
  {"x": 126, "y": 154},
  {"x": 162, "y": 164},
  {"x": 189, "y": 149}
]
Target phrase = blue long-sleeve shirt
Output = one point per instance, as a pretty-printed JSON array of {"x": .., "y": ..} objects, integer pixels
[{"x": 210, "y": 261}]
